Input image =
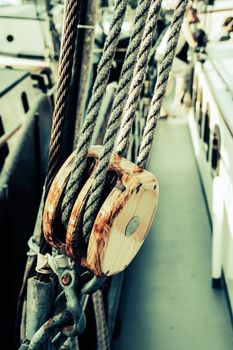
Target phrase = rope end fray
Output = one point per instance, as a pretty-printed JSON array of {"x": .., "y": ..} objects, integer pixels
[{"x": 47, "y": 264}]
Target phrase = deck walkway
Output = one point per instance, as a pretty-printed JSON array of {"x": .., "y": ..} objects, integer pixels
[{"x": 167, "y": 301}]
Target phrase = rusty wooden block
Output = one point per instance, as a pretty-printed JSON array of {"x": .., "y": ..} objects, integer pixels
[
  {"x": 54, "y": 232},
  {"x": 124, "y": 219},
  {"x": 122, "y": 223},
  {"x": 76, "y": 246}
]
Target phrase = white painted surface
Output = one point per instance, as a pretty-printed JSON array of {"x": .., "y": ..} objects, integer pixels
[
  {"x": 30, "y": 34},
  {"x": 217, "y": 217},
  {"x": 27, "y": 37},
  {"x": 216, "y": 83},
  {"x": 212, "y": 22}
]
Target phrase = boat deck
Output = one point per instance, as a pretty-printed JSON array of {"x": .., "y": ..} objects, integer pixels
[{"x": 167, "y": 301}]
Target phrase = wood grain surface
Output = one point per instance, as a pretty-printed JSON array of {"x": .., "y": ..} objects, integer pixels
[
  {"x": 135, "y": 195},
  {"x": 54, "y": 232}
]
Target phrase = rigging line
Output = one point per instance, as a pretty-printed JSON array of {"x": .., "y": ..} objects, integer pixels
[
  {"x": 115, "y": 116},
  {"x": 64, "y": 76},
  {"x": 103, "y": 72},
  {"x": 80, "y": 71},
  {"x": 161, "y": 85},
  {"x": 83, "y": 61},
  {"x": 138, "y": 79},
  {"x": 59, "y": 137}
]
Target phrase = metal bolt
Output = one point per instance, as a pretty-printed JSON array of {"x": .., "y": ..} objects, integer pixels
[
  {"x": 132, "y": 226},
  {"x": 66, "y": 279}
]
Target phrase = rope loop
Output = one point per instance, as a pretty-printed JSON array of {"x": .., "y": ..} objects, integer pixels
[
  {"x": 138, "y": 78},
  {"x": 127, "y": 99},
  {"x": 161, "y": 85},
  {"x": 115, "y": 116},
  {"x": 103, "y": 72},
  {"x": 46, "y": 264}
]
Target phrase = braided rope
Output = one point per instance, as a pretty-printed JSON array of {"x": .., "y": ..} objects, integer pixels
[
  {"x": 138, "y": 79},
  {"x": 64, "y": 76},
  {"x": 58, "y": 135},
  {"x": 99, "y": 88},
  {"x": 161, "y": 84},
  {"x": 103, "y": 342},
  {"x": 115, "y": 116}
]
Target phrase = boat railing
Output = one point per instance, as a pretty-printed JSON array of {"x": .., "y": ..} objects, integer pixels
[{"x": 8, "y": 135}]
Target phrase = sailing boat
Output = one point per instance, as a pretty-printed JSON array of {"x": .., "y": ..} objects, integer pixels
[{"x": 25, "y": 139}]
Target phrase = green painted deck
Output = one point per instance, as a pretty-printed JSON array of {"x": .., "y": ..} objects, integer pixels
[{"x": 167, "y": 301}]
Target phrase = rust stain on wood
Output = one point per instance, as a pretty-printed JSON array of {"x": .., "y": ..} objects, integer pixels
[
  {"x": 53, "y": 230},
  {"x": 133, "y": 182},
  {"x": 108, "y": 237}
]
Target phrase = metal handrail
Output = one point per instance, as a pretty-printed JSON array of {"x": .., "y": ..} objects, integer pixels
[{"x": 7, "y": 136}]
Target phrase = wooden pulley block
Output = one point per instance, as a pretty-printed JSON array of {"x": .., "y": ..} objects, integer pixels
[
  {"x": 53, "y": 230},
  {"x": 76, "y": 246},
  {"x": 123, "y": 220}
]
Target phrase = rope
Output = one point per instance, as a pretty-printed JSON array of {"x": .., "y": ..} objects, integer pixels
[
  {"x": 86, "y": 30},
  {"x": 99, "y": 88},
  {"x": 161, "y": 84},
  {"x": 58, "y": 145},
  {"x": 103, "y": 342},
  {"x": 46, "y": 264},
  {"x": 82, "y": 57},
  {"x": 64, "y": 76},
  {"x": 138, "y": 79},
  {"x": 115, "y": 116}
]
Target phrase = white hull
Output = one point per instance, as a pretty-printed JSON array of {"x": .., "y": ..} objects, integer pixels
[{"x": 211, "y": 128}]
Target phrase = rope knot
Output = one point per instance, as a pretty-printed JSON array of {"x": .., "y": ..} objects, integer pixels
[{"x": 47, "y": 264}]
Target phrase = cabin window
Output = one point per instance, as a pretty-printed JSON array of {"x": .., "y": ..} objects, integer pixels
[
  {"x": 195, "y": 96},
  {"x": 215, "y": 158},
  {"x": 198, "y": 110},
  {"x": 25, "y": 103},
  {"x": 199, "y": 116},
  {"x": 206, "y": 133},
  {"x": 195, "y": 93}
]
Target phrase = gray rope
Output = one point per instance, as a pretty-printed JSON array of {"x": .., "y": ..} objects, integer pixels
[
  {"x": 103, "y": 341},
  {"x": 138, "y": 79},
  {"x": 161, "y": 84},
  {"x": 115, "y": 116},
  {"x": 99, "y": 88}
]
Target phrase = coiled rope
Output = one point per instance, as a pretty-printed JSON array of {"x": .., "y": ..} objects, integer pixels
[
  {"x": 99, "y": 88},
  {"x": 115, "y": 116},
  {"x": 160, "y": 88}
]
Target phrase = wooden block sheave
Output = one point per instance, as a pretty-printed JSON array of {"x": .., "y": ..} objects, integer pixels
[{"x": 124, "y": 217}]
